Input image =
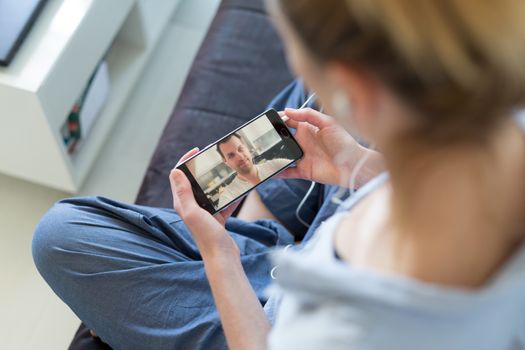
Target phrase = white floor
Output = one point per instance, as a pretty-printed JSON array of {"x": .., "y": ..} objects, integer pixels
[{"x": 31, "y": 316}]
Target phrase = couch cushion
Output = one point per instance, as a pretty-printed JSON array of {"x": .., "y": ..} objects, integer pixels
[{"x": 83, "y": 340}]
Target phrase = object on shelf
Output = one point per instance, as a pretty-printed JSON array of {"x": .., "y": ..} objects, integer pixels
[
  {"x": 71, "y": 129},
  {"x": 86, "y": 109}
]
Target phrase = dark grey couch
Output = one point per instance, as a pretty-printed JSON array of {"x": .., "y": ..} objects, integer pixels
[{"x": 238, "y": 69}]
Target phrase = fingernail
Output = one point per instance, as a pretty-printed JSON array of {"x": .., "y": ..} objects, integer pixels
[{"x": 177, "y": 176}]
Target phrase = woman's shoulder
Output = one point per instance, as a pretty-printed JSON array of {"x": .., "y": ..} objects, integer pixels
[
  {"x": 357, "y": 306},
  {"x": 363, "y": 306}
]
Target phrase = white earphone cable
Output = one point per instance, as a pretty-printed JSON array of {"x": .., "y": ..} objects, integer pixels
[{"x": 312, "y": 185}]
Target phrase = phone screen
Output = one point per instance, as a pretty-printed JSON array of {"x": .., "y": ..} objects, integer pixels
[{"x": 241, "y": 160}]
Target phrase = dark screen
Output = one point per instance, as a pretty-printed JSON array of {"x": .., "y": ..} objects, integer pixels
[{"x": 16, "y": 18}]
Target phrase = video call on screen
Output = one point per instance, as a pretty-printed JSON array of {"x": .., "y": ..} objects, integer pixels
[{"x": 239, "y": 162}]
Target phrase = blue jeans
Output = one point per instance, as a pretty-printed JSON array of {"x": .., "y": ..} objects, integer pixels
[{"x": 134, "y": 275}]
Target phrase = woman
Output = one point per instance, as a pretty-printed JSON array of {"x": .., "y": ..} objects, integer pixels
[{"x": 431, "y": 255}]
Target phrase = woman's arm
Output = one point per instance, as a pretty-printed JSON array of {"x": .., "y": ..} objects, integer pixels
[
  {"x": 243, "y": 319},
  {"x": 244, "y": 322}
]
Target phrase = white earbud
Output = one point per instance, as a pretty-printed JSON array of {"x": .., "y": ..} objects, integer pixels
[{"x": 341, "y": 105}]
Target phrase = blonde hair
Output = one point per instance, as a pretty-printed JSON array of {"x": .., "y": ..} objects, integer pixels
[{"x": 459, "y": 63}]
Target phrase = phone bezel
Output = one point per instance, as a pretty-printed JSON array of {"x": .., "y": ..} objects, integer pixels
[{"x": 288, "y": 139}]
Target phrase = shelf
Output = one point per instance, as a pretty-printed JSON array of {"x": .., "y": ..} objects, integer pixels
[
  {"x": 50, "y": 72},
  {"x": 55, "y": 27},
  {"x": 126, "y": 60}
]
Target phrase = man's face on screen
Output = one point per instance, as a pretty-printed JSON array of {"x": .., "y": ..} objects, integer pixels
[{"x": 237, "y": 156}]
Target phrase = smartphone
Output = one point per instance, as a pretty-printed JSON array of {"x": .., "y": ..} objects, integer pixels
[{"x": 229, "y": 168}]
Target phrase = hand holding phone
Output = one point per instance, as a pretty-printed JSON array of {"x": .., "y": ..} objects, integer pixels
[
  {"x": 330, "y": 152},
  {"x": 234, "y": 165},
  {"x": 207, "y": 230}
]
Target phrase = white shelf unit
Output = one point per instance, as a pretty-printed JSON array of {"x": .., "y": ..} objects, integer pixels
[{"x": 52, "y": 69}]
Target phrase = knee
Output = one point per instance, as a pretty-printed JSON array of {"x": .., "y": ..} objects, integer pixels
[{"x": 53, "y": 236}]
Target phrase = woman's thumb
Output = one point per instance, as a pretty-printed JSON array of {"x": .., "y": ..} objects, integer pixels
[{"x": 182, "y": 194}]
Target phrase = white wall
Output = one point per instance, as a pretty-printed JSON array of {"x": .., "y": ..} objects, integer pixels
[
  {"x": 257, "y": 128},
  {"x": 207, "y": 161}
]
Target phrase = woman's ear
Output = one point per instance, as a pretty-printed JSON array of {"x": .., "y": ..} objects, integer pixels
[{"x": 360, "y": 92}]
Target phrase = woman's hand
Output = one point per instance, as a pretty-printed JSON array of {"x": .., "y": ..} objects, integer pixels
[
  {"x": 208, "y": 231},
  {"x": 328, "y": 148}
]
